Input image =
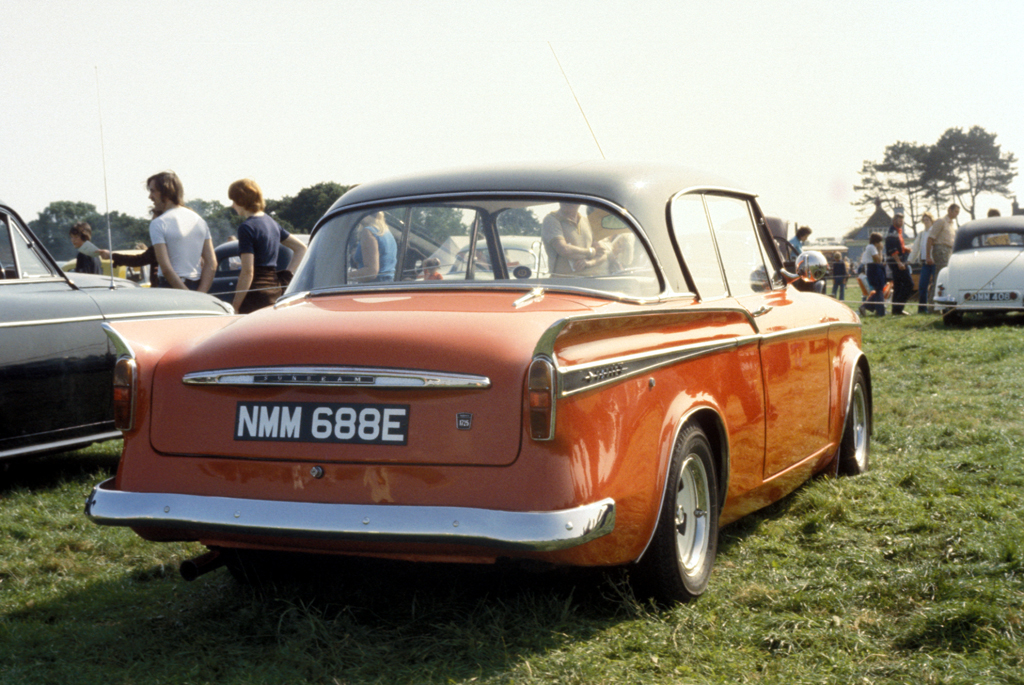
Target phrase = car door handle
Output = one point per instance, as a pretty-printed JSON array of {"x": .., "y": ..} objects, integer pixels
[{"x": 764, "y": 309}]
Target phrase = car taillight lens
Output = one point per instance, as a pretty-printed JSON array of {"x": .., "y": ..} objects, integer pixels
[
  {"x": 124, "y": 394},
  {"x": 541, "y": 396}
]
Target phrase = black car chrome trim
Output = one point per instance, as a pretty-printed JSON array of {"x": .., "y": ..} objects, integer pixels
[
  {"x": 580, "y": 377},
  {"x": 387, "y": 523},
  {"x": 24, "y": 280},
  {"x": 338, "y": 376},
  {"x": 182, "y": 313},
  {"x": 61, "y": 445},
  {"x": 112, "y": 317},
  {"x": 50, "y": 322}
]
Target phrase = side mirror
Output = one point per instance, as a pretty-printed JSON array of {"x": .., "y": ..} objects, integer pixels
[
  {"x": 812, "y": 265},
  {"x": 811, "y": 271}
]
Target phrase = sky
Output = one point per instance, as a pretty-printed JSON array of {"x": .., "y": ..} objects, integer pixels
[{"x": 785, "y": 98}]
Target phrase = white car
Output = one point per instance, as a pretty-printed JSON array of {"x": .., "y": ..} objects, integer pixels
[{"x": 986, "y": 270}]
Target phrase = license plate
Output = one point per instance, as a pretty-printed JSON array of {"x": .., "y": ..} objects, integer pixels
[
  {"x": 361, "y": 424},
  {"x": 997, "y": 296}
]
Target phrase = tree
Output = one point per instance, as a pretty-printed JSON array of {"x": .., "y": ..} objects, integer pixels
[
  {"x": 969, "y": 164},
  {"x": 297, "y": 213},
  {"x": 222, "y": 221},
  {"x": 518, "y": 221},
  {"x": 896, "y": 181},
  {"x": 960, "y": 166},
  {"x": 300, "y": 213},
  {"x": 55, "y": 221}
]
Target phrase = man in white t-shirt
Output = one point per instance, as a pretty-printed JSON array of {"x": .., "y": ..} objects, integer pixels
[{"x": 181, "y": 239}]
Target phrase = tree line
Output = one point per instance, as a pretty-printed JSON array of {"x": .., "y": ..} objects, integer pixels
[
  {"x": 296, "y": 214},
  {"x": 958, "y": 167}
]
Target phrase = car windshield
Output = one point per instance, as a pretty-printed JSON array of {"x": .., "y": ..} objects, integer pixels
[{"x": 533, "y": 243}]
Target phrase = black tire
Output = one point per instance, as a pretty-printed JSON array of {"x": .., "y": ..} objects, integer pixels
[
  {"x": 677, "y": 565},
  {"x": 855, "y": 449},
  {"x": 951, "y": 317}
]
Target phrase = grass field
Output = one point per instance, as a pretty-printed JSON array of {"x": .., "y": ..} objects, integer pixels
[{"x": 912, "y": 573}]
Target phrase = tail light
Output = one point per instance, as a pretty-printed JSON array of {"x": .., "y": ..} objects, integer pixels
[
  {"x": 541, "y": 396},
  {"x": 124, "y": 394}
]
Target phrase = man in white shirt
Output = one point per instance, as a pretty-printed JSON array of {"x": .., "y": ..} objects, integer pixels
[
  {"x": 181, "y": 239},
  {"x": 940, "y": 246}
]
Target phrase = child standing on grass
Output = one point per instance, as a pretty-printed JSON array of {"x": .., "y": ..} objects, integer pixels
[
  {"x": 874, "y": 267},
  {"x": 839, "y": 272}
]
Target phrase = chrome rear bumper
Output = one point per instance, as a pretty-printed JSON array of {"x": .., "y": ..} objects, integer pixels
[{"x": 514, "y": 530}]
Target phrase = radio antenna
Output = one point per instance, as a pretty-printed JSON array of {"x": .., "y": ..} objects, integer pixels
[
  {"x": 593, "y": 135},
  {"x": 106, "y": 197}
]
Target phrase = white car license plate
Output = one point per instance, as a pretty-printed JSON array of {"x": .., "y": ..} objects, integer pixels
[
  {"x": 363, "y": 424},
  {"x": 995, "y": 296}
]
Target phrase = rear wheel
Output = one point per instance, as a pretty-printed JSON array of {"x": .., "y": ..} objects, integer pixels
[
  {"x": 855, "y": 448},
  {"x": 677, "y": 564}
]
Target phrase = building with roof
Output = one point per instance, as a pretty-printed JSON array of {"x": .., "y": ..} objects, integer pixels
[{"x": 857, "y": 239}]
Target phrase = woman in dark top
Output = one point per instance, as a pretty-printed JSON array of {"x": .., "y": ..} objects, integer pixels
[{"x": 259, "y": 239}]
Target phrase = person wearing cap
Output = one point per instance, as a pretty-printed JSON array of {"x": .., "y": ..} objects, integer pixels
[
  {"x": 896, "y": 254},
  {"x": 797, "y": 241}
]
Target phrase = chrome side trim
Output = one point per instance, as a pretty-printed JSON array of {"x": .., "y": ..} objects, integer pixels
[
  {"x": 50, "y": 322},
  {"x": 182, "y": 313},
  {"x": 338, "y": 376},
  {"x": 112, "y": 317},
  {"x": 121, "y": 345},
  {"x": 61, "y": 445},
  {"x": 822, "y": 328},
  {"x": 386, "y": 523},
  {"x": 591, "y": 375}
]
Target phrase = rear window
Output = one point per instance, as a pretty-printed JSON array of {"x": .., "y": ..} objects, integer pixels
[
  {"x": 997, "y": 240},
  {"x": 534, "y": 243}
]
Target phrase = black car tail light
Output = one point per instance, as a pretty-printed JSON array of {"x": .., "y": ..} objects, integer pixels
[
  {"x": 541, "y": 392},
  {"x": 124, "y": 394}
]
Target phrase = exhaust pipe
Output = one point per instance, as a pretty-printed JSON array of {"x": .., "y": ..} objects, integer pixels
[{"x": 193, "y": 568}]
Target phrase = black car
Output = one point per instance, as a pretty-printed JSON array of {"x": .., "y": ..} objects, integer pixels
[
  {"x": 229, "y": 265},
  {"x": 56, "y": 363}
]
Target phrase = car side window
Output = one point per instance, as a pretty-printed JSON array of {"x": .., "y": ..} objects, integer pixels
[
  {"x": 697, "y": 246},
  {"x": 19, "y": 256},
  {"x": 738, "y": 242},
  {"x": 6, "y": 251}
]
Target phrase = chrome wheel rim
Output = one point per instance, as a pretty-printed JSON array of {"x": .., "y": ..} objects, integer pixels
[
  {"x": 859, "y": 410},
  {"x": 691, "y": 515}
]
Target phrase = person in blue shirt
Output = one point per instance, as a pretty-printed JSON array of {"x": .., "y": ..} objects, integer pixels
[
  {"x": 376, "y": 252},
  {"x": 797, "y": 241},
  {"x": 839, "y": 273},
  {"x": 259, "y": 240}
]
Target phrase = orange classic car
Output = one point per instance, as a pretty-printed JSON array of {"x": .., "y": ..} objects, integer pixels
[{"x": 637, "y": 372}]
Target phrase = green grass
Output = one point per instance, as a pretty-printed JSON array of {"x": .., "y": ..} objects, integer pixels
[{"x": 912, "y": 573}]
